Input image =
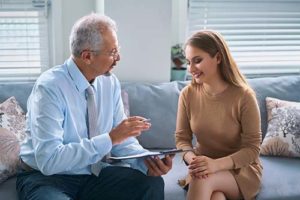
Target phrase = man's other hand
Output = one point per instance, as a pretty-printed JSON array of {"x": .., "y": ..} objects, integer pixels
[{"x": 157, "y": 166}]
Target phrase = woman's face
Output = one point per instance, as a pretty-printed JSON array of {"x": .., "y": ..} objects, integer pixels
[{"x": 201, "y": 65}]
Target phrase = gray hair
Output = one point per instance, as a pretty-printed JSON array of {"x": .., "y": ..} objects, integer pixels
[{"x": 87, "y": 33}]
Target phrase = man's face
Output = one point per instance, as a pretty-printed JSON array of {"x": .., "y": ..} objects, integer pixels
[{"x": 104, "y": 62}]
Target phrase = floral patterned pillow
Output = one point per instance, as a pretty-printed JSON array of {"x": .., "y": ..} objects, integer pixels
[
  {"x": 12, "y": 133},
  {"x": 12, "y": 117},
  {"x": 283, "y": 134},
  {"x": 9, "y": 154}
]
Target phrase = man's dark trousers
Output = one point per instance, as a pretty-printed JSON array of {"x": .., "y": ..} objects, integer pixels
[{"x": 113, "y": 183}]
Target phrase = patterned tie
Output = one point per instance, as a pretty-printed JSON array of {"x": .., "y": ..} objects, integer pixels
[{"x": 92, "y": 122}]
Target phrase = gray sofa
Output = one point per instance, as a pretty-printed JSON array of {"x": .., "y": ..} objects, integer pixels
[{"x": 281, "y": 176}]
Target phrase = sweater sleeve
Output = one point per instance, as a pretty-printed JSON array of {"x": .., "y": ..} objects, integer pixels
[
  {"x": 250, "y": 132},
  {"x": 183, "y": 133}
]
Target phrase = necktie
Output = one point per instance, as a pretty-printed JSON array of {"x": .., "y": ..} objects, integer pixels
[
  {"x": 92, "y": 122},
  {"x": 92, "y": 112}
]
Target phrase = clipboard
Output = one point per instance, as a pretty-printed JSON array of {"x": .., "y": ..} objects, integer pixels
[{"x": 148, "y": 153}]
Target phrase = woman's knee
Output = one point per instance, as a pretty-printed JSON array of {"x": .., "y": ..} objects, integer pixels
[
  {"x": 218, "y": 196},
  {"x": 204, "y": 183},
  {"x": 199, "y": 189}
]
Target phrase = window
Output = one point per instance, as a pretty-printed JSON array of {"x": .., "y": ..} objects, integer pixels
[
  {"x": 23, "y": 39},
  {"x": 263, "y": 35}
]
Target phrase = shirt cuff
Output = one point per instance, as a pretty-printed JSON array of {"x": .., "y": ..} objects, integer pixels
[
  {"x": 102, "y": 143},
  {"x": 142, "y": 166}
]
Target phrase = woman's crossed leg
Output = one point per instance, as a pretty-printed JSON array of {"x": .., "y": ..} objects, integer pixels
[{"x": 218, "y": 186}]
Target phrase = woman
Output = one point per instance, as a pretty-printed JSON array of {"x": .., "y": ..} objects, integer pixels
[{"x": 220, "y": 109}]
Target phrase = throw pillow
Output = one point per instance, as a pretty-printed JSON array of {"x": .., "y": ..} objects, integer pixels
[
  {"x": 12, "y": 133},
  {"x": 283, "y": 133},
  {"x": 12, "y": 117},
  {"x": 9, "y": 154},
  {"x": 125, "y": 100}
]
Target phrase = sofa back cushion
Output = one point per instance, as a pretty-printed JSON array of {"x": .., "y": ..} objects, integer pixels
[
  {"x": 284, "y": 87},
  {"x": 159, "y": 103},
  {"x": 20, "y": 90}
]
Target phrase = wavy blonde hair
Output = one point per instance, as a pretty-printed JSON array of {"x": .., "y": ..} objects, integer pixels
[{"x": 212, "y": 43}]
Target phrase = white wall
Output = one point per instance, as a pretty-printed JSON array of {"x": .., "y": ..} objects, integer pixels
[
  {"x": 63, "y": 15},
  {"x": 179, "y": 21},
  {"x": 145, "y": 37},
  {"x": 146, "y": 33}
]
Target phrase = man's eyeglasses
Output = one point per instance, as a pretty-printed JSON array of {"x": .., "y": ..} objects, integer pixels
[{"x": 114, "y": 53}]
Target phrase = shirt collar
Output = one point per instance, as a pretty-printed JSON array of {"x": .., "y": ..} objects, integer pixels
[{"x": 77, "y": 77}]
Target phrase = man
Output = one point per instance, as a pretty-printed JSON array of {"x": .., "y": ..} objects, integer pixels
[{"x": 75, "y": 117}]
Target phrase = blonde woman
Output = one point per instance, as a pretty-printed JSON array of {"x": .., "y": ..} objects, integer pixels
[{"x": 220, "y": 109}]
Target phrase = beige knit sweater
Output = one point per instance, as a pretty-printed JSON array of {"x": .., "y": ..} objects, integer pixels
[{"x": 227, "y": 124}]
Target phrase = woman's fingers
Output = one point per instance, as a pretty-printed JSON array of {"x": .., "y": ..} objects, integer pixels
[{"x": 198, "y": 167}]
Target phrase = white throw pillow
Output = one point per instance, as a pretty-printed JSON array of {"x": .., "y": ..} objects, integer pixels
[{"x": 283, "y": 133}]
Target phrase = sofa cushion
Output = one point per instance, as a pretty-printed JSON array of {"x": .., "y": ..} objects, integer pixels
[
  {"x": 179, "y": 171},
  {"x": 280, "y": 178},
  {"x": 20, "y": 90},
  {"x": 159, "y": 103},
  {"x": 8, "y": 190},
  {"x": 283, "y": 133},
  {"x": 145, "y": 98}
]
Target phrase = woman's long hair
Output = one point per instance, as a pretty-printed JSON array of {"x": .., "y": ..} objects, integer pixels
[{"x": 212, "y": 43}]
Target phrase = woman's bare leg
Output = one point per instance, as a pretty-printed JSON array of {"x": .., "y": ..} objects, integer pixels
[
  {"x": 218, "y": 196},
  {"x": 203, "y": 189}
]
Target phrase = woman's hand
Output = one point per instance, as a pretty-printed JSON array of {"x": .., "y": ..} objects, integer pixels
[{"x": 202, "y": 166}]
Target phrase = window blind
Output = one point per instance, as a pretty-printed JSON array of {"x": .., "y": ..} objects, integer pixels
[
  {"x": 263, "y": 35},
  {"x": 23, "y": 39}
]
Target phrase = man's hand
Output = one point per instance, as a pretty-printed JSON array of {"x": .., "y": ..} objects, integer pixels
[
  {"x": 131, "y": 127},
  {"x": 157, "y": 166}
]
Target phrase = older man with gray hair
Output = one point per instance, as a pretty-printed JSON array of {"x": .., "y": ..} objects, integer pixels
[{"x": 76, "y": 117}]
